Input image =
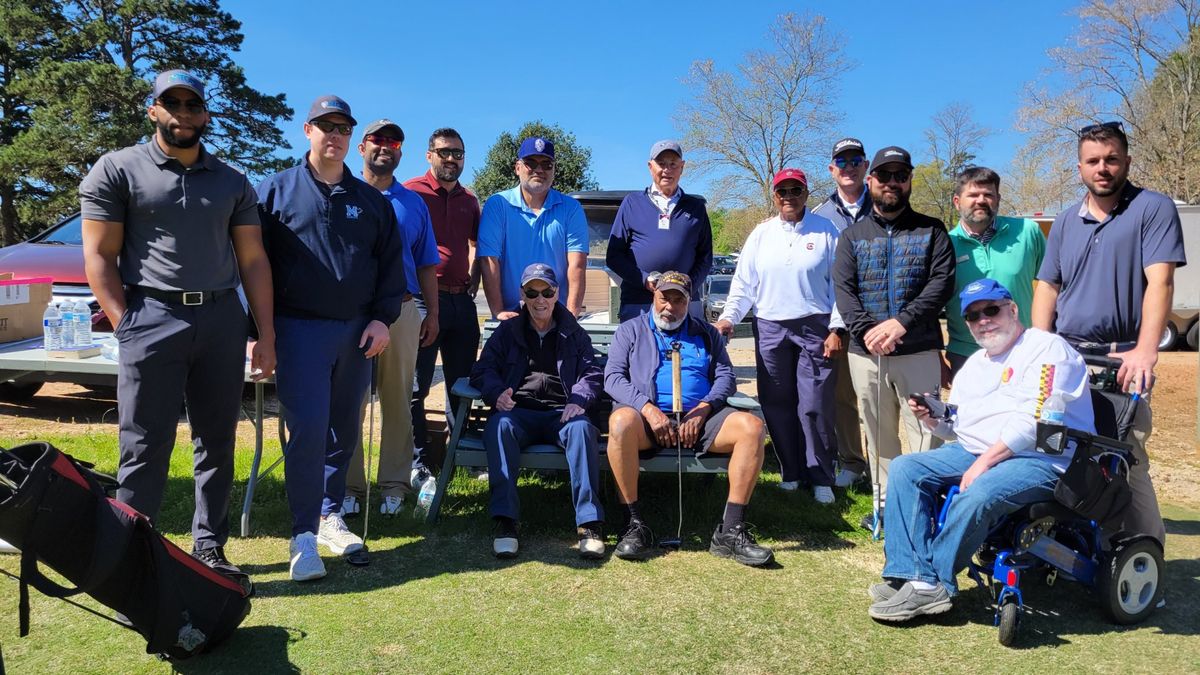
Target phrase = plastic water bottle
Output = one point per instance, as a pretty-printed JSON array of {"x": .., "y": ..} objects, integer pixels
[
  {"x": 425, "y": 498},
  {"x": 1051, "y": 425},
  {"x": 83, "y": 324},
  {"x": 52, "y": 329},
  {"x": 66, "y": 312}
]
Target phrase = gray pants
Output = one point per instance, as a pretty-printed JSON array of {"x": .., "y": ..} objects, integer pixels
[{"x": 171, "y": 353}]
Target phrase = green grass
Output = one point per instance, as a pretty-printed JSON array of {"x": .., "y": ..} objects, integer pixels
[{"x": 436, "y": 600}]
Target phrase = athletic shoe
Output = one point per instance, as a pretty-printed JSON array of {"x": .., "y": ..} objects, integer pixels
[
  {"x": 846, "y": 478},
  {"x": 334, "y": 534},
  {"x": 350, "y": 507},
  {"x": 215, "y": 558},
  {"x": 504, "y": 541},
  {"x": 884, "y": 589},
  {"x": 479, "y": 474},
  {"x": 391, "y": 505},
  {"x": 739, "y": 544},
  {"x": 305, "y": 563},
  {"x": 591, "y": 540},
  {"x": 823, "y": 494},
  {"x": 789, "y": 485},
  {"x": 635, "y": 542},
  {"x": 909, "y": 603},
  {"x": 6, "y": 547},
  {"x": 868, "y": 522}
]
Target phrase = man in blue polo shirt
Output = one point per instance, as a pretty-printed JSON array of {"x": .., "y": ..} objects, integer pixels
[
  {"x": 657, "y": 229},
  {"x": 531, "y": 223},
  {"x": 337, "y": 261}
]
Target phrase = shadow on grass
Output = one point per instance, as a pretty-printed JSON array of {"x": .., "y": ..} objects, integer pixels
[
  {"x": 1185, "y": 528},
  {"x": 268, "y": 644}
]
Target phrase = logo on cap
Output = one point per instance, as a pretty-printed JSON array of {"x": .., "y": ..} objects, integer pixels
[
  {"x": 540, "y": 145},
  {"x": 893, "y": 153},
  {"x": 974, "y": 287}
]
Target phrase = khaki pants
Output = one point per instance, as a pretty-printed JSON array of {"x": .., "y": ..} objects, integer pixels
[
  {"x": 883, "y": 407},
  {"x": 397, "y": 365},
  {"x": 1142, "y": 517},
  {"x": 846, "y": 420}
]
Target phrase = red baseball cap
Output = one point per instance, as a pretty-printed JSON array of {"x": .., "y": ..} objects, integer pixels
[{"x": 790, "y": 174}]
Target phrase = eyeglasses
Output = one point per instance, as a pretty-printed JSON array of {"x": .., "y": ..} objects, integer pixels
[
  {"x": 848, "y": 162},
  {"x": 990, "y": 312},
  {"x": 885, "y": 176},
  {"x": 172, "y": 104},
  {"x": 326, "y": 126},
  {"x": 545, "y": 293},
  {"x": 534, "y": 165},
  {"x": 383, "y": 141},
  {"x": 784, "y": 193},
  {"x": 1116, "y": 126},
  {"x": 450, "y": 153}
]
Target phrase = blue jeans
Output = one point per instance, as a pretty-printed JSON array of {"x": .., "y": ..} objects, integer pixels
[
  {"x": 508, "y": 432},
  {"x": 914, "y": 483}
]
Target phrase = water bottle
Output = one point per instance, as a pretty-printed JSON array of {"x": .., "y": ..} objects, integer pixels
[
  {"x": 1051, "y": 425},
  {"x": 425, "y": 497},
  {"x": 83, "y": 324},
  {"x": 52, "y": 329},
  {"x": 67, "y": 313}
]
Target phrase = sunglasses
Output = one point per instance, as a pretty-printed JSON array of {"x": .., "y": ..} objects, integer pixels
[
  {"x": 384, "y": 141},
  {"x": 545, "y": 293},
  {"x": 172, "y": 104},
  {"x": 990, "y": 312},
  {"x": 534, "y": 165},
  {"x": 450, "y": 153},
  {"x": 1117, "y": 126},
  {"x": 784, "y": 193},
  {"x": 326, "y": 126},
  {"x": 848, "y": 162},
  {"x": 899, "y": 175}
]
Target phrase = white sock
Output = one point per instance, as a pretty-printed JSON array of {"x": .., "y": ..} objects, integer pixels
[{"x": 922, "y": 585}]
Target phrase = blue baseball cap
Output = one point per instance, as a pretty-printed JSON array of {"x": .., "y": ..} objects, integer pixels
[
  {"x": 330, "y": 105},
  {"x": 178, "y": 78},
  {"x": 536, "y": 145},
  {"x": 984, "y": 289},
  {"x": 539, "y": 272}
]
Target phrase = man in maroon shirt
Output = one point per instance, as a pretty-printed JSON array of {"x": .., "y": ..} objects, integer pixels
[{"x": 455, "y": 214}]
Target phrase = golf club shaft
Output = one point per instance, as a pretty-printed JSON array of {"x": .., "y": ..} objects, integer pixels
[
  {"x": 366, "y": 508},
  {"x": 875, "y": 485},
  {"x": 677, "y": 408}
]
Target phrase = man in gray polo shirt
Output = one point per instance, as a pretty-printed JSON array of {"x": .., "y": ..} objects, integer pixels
[
  {"x": 1106, "y": 285},
  {"x": 166, "y": 229}
]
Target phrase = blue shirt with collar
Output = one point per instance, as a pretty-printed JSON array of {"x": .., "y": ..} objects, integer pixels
[
  {"x": 416, "y": 228},
  {"x": 513, "y": 234}
]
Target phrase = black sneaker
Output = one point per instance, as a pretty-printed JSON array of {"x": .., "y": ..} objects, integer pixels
[
  {"x": 215, "y": 558},
  {"x": 636, "y": 542},
  {"x": 739, "y": 544}
]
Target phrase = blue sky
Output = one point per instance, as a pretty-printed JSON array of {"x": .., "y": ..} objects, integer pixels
[{"x": 611, "y": 72}]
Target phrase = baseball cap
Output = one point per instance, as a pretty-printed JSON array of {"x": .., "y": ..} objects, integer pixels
[
  {"x": 984, "y": 289},
  {"x": 848, "y": 144},
  {"x": 892, "y": 154},
  {"x": 663, "y": 146},
  {"x": 674, "y": 281},
  {"x": 790, "y": 174},
  {"x": 535, "y": 145},
  {"x": 178, "y": 78},
  {"x": 329, "y": 105},
  {"x": 380, "y": 125},
  {"x": 539, "y": 272}
]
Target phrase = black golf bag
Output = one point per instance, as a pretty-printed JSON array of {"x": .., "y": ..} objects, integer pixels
[{"x": 56, "y": 512}]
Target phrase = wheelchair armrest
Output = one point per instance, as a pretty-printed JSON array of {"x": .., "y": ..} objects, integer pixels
[
  {"x": 463, "y": 389},
  {"x": 941, "y": 518},
  {"x": 742, "y": 402}
]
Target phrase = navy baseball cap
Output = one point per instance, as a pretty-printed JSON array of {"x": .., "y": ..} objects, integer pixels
[
  {"x": 984, "y": 289},
  {"x": 665, "y": 145},
  {"x": 535, "y": 145},
  {"x": 539, "y": 272},
  {"x": 178, "y": 78},
  {"x": 330, "y": 105}
]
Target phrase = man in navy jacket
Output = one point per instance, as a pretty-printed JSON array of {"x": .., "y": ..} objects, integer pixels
[{"x": 539, "y": 373}]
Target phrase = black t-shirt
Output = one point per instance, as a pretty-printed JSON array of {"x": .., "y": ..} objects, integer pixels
[{"x": 542, "y": 388}]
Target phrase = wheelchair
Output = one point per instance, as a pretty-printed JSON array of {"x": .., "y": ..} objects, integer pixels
[{"x": 1050, "y": 539}]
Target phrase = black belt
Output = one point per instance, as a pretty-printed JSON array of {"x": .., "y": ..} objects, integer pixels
[
  {"x": 1103, "y": 348},
  {"x": 189, "y": 298}
]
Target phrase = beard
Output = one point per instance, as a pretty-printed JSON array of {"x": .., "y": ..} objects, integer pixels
[
  {"x": 999, "y": 340},
  {"x": 890, "y": 202},
  {"x": 174, "y": 141},
  {"x": 1116, "y": 185},
  {"x": 663, "y": 323},
  {"x": 383, "y": 165},
  {"x": 448, "y": 173},
  {"x": 969, "y": 217}
]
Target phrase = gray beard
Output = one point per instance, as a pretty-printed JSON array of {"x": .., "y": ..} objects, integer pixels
[{"x": 663, "y": 324}]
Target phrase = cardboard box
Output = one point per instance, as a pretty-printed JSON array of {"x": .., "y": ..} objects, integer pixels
[{"x": 22, "y": 303}]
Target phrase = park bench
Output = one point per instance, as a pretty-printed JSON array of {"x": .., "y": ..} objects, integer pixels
[{"x": 465, "y": 447}]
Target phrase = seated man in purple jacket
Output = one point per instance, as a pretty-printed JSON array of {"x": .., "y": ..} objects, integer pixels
[
  {"x": 638, "y": 378},
  {"x": 539, "y": 373}
]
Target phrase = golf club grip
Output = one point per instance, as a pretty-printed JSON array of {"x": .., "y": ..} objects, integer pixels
[{"x": 676, "y": 382}]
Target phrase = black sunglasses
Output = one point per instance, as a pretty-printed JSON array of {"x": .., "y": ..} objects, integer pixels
[
  {"x": 534, "y": 165},
  {"x": 545, "y": 293},
  {"x": 326, "y": 126},
  {"x": 172, "y": 104},
  {"x": 1116, "y": 126},
  {"x": 450, "y": 153},
  {"x": 899, "y": 175},
  {"x": 990, "y": 311},
  {"x": 852, "y": 162},
  {"x": 784, "y": 193}
]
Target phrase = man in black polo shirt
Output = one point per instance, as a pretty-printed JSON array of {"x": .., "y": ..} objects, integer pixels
[{"x": 167, "y": 228}]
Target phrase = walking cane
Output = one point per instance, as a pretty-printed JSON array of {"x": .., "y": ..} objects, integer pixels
[
  {"x": 677, "y": 410},
  {"x": 876, "y": 516},
  {"x": 362, "y": 556}
]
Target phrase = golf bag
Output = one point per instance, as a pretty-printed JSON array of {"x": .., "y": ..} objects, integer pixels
[{"x": 56, "y": 512}]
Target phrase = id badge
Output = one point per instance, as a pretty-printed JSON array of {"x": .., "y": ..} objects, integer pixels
[{"x": 664, "y": 221}]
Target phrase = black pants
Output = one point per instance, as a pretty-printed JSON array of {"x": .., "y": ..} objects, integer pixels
[
  {"x": 172, "y": 353},
  {"x": 458, "y": 341}
]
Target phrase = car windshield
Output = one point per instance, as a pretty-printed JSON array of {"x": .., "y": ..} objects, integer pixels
[
  {"x": 719, "y": 286},
  {"x": 68, "y": 233}
]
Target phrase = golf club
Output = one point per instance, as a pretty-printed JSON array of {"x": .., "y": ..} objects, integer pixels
[
  {"x": 361, "y": 557},
  {"x": 677, "y": 410},
  {"x": 875, "y": 489}
]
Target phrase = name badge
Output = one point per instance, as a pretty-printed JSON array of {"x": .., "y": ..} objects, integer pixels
[
  {"x": 963, "y": 258},
  {"x": 664, "y": 221}
]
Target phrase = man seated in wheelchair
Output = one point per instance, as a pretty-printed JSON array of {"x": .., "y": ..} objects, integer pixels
[{"x": 991, "y": 426}]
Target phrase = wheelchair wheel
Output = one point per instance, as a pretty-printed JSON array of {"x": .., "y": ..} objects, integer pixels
[
  {"x": 1010, "y": 621},
  {"x": 1131, "y": 581}
]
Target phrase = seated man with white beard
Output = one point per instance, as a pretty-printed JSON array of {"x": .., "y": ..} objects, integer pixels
[
  {"x": 992, "y": 458},
  {"x": 639, "y": 380}
]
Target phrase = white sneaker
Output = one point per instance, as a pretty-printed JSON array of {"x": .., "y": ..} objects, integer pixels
[
  {"x": 789, "y": 485},
  {"x": 305, "y": 563},
  {"x": 823, "y": 494},
  {"x": 479, "y": 474},
  {"x": 846, "y": 478},
  {"x": 350, "y": 506},
  {"x": 6, "y": 547},
  {"x": 391, "y": 505},
  {"x": 334, "y": 534}
]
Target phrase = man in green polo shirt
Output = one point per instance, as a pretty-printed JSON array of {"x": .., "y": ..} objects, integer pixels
[{"x": 986, "y": 246}]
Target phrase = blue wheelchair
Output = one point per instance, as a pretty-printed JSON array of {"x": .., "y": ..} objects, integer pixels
[{"x": 1062, "y": 542}]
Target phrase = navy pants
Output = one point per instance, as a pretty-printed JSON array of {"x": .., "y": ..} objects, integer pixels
[
  {"x": 321, "y": 378},
  {"x": 796, "y": 386},
  {"x": 171, "y": 353},
  {"x": 458, "y": 342},
  {"x": 508, "y": 432}
]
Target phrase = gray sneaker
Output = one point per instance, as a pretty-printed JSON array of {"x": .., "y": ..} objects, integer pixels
[
  {"x": 908, "y": 603},
  {"x": 883, "y": 590},
  {"x": 334, "y": 534}
]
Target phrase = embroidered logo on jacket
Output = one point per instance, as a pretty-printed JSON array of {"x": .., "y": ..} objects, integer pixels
[{"x": 352, "y": 212}]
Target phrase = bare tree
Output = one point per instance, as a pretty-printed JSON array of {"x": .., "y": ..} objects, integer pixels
[
  {"x": 1039, "y": 179},
  {"x": 774, "y": 110},
  {"x": 952, "y": 142}
]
